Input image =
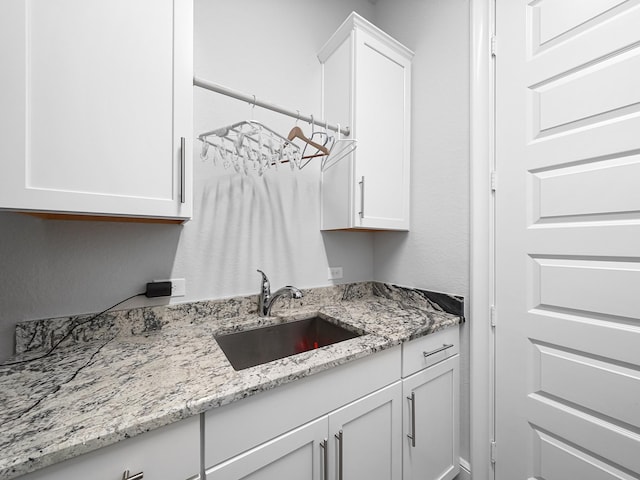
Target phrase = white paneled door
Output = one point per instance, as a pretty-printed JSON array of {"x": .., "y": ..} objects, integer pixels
[{"x": 567, "y": 239}]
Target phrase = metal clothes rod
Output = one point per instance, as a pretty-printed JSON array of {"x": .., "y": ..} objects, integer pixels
[{"x": 215, "y": 87}]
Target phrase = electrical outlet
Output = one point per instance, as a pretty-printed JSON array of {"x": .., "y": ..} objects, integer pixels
[
  {"x": 178, "y": 286},
  {"x": 335, "y": 273}
]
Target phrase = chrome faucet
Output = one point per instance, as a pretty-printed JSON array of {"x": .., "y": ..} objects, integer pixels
[{"x": 266, "y": 299}]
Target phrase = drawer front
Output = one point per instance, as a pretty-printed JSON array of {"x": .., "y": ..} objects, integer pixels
[
  {"x": 429, "y": 350},
  {"x": 168, "y": 453}
]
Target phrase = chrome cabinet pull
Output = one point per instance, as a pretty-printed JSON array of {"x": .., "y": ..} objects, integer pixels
[
  {"x": 361, "y": 183},
  {"x": 412, "y": 435},
  {"x": 437, "y": 350},
  {"x": 325, "y": 458},
  {"x": 137, "y": 476},
  {"x": 339, "y": 437},
  {"x": 183, "y": 164}
]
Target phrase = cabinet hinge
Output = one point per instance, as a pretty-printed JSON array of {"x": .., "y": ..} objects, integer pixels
[
  {"x": 494, "y": 181},
  {"x": 492, "y": 315},
  {"x": 493, "y": 451},
  {"x": 493, "y": 45}
]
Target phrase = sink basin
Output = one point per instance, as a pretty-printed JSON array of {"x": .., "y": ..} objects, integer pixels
[{"x": 261, "y": 345}]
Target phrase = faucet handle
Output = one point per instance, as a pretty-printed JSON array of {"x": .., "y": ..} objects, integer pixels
[
  {"x": 265, "y": 294},
  {"x": 265, "y": 280}
]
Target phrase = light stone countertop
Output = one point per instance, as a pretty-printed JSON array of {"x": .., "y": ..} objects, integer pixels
[{"x": 138, "y": 370}]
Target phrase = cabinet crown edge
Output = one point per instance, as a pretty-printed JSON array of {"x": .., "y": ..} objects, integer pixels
[{"x": 353, "y": 22}]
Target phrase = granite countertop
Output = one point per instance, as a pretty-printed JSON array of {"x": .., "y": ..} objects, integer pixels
[{"x": 133, "y": 371}]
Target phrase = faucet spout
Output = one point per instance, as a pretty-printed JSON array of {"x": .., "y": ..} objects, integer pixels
[{"x": 266, "y": 299}]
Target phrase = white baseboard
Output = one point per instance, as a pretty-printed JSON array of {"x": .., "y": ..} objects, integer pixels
[{"x": 465, "y": 470}]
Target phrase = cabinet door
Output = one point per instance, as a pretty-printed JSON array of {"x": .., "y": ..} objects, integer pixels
[
  {"x": 365, "y": 437},
  {"x": 431, "y": 404},
  {"x": 96, "y": 98},
  {"x": 367, "y": 85},
  {"x": 168, "y": 453},
  {"x": 381, "y": 124},
  {"x": 296, "y": 454}
]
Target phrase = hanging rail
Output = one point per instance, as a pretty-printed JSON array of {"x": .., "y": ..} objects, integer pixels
[{"x": 215, "y": 87}]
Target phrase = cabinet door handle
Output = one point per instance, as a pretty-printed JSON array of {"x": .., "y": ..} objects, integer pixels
[
  {"x": 361, "y": 183},
  {"x": 339, "y": 437},
  {"x": 137, "y": 476},
  {"x": 325, "y": 458},
  {"x": 437, "y": 350},
  {"x": 412, "y": 435},
  {"x": 183, "y": 165}
]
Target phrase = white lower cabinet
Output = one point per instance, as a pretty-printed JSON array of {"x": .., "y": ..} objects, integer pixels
[
  {"x": 361, "y": 440},
  {"x": 296, "y": 452},
  {"x": 168, "y": 453},
  {"x": 431, "y": 422},
  {"x": 365, "y": 438},
  {"x": 352, "y": 422}
]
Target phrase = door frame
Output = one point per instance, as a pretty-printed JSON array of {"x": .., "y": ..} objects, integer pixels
[{"x": 481, "y": 245}]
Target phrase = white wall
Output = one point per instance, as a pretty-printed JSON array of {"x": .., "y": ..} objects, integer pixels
[
  {"x": 435, "y": 253},
  {"x": 54, "y": 268},
  {"x": 267, "y": 49}
]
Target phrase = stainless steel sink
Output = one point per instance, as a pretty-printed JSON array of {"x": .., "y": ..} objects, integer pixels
[{"x": 261, "y": 345}]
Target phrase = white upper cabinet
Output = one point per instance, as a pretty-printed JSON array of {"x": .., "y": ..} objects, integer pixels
[
  {"x": 367, "y": 86},
  {"x": 96, "y": 101}
]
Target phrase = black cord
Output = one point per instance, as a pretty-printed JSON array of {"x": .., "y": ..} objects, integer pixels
[{"x": 71, "y": 331}]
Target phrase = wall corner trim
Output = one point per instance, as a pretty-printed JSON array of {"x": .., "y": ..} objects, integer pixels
[{"x": 481, "y": 258}]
